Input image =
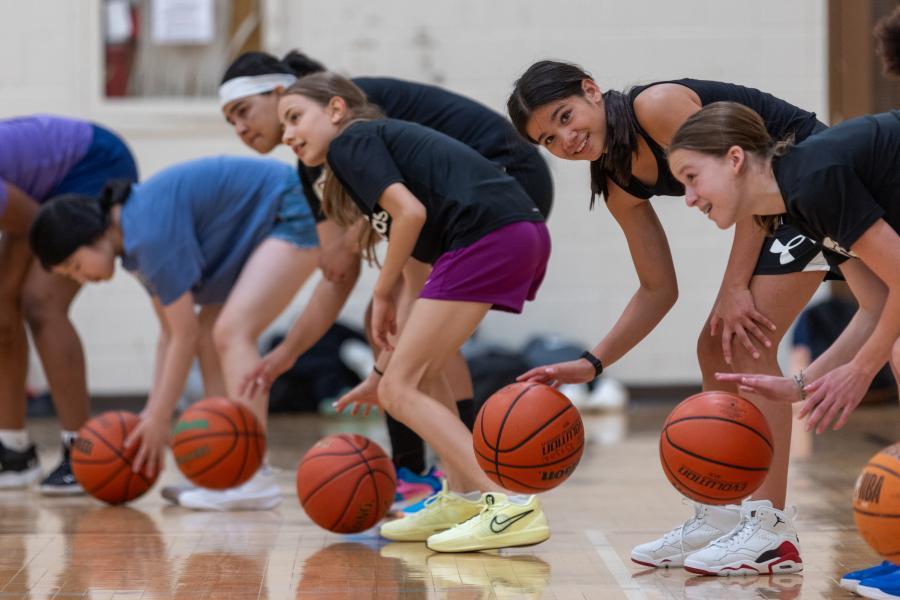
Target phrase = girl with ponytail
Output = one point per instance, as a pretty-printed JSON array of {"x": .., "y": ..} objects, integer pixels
[
  {"x": 250, "y": 89},
  {"x": 232, "y": 236},
  {"x": 43, "y": 156},
  {"x": 463, "y": 238},
  {"x": 770, "y": 275}
]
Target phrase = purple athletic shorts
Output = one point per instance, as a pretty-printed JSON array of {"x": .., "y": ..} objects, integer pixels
[{"x": 504, "y": 268}]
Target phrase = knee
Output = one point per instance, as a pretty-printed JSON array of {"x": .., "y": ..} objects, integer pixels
[
  {"x": 39, "y": 312},
  {"x": 709, "y": 353},
  {"x": 393, "y": 394},
  {"x": 224, "y": 333}
]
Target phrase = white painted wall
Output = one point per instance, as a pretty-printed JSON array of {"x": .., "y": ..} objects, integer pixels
[{"x": 476, "y": 47}]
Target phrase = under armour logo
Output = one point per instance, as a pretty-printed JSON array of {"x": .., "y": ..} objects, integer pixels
[{"x": 785, "y": 249}]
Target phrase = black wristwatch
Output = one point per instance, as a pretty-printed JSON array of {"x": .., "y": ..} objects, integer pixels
[{"x": 598, "y": 366}]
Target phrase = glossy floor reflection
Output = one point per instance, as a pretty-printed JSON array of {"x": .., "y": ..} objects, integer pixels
[{"x": 77, "y": 548}]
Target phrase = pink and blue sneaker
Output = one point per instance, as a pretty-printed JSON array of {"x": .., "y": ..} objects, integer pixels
[
  {"x": 851, "y": 580},
  {"x": 885, "y": 587},
  {"x": 414, "y": 487}
]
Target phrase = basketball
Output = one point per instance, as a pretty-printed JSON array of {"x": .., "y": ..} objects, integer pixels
[
  {"x": 716, "y": 448},
  {"x": 346, "y": 483},
  {"x": 102, "y": 465},
  {"x": 218, "y": 443},
  {"x": 528, "y": 437},
  {"x": 876, "y": 503}
]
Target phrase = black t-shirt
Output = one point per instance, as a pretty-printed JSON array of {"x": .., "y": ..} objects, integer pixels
[
  {"x": 837, "y": 183},
  {"x": 461, "y": 118},
  {"x": 465, "y": 195},
  {"x": 782, "y": 119}
]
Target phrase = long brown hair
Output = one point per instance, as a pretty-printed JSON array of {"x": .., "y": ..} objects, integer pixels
[
  {"x": 337, "y": 204},
  {"x": 717, "y": 127}
]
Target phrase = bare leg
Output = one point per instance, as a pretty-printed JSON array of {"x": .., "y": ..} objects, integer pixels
[
  {"x": 46, "y": 299},
  {"x": 267, "y": 283},
  {"x": 210, "y": 366},
  {"x": 780, "y": 298},
  {"x": 434, "y": 331},
  {"x": 15, "y": 257}
]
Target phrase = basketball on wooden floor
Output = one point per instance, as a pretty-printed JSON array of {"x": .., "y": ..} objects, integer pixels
[
  {"x": 876, "y": 503},
  {"x": 528, "y": 437},
  {"x": 716, "y": 448},
  {"x": 102, "y": 465},
  {"x": 346, "y": 483},
  {"x": 218, "y": 443}
]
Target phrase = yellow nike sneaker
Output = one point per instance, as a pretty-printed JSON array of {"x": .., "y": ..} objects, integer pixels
[
  {"x": 502, "y": 523},
  {"x": 441, "y": 511}
]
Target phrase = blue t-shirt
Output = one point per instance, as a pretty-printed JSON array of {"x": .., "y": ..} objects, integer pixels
[{"x": 191, "y": 227}]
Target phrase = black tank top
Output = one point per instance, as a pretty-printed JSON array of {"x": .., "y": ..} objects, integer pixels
[{"x": 781, "y": 118}]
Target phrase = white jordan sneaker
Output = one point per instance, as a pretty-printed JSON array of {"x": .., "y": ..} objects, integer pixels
[
  {"x": 764, "y": 542},
  {"x": 707, "y": 524}
]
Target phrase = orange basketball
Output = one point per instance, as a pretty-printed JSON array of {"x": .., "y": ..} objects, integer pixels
[
  {"x": 102, "y": 465},
  {"x": 218, "y": 443},
  {"x": 346, "y": 483},
  {"x": 528, "y": 437},
  {"x": 876, "y": 503},
  {"x": 716, "y": 448}
]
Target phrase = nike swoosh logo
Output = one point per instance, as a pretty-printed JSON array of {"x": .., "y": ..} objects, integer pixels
[{"x": 498, "y": 526}]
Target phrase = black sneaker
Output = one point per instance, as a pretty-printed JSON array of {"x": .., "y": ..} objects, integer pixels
[
  {"x": 18, "y": 469},
  {"x": 62, "y": 482}
]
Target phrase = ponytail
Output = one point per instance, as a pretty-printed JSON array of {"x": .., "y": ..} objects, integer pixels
[{"x": 67, "y": 222}]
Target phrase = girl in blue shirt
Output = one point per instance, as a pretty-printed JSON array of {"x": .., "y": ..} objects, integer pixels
[{"x": 232, "y": 235}]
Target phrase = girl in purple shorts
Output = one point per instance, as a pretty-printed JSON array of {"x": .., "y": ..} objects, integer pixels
[{"x": 440, "y": 204}]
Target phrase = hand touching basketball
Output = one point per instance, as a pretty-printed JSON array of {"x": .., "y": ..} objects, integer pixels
[
  {"x": 573, "y": 371},
  {"x": 152, "y": 435}
]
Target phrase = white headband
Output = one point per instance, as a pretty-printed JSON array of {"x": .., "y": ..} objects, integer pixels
[{"x": 241, "y": 87}]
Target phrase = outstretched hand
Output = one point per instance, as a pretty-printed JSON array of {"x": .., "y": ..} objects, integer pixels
[
  {"x": 364, "y": 396},
  {"x": 573, "y": 371}
]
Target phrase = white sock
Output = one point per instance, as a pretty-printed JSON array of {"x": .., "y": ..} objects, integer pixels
[
  {"x": 470, "y": 496},
  {"x": 15, "y": 439},
  {"x": 519, "y": 499},
  {"x": 68, "y": 437}
]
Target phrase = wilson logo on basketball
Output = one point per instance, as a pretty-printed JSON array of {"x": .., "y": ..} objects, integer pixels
[
  {"x": 569, "y": 434},
  {"x": 558, "y": 474},
  {"x": 868, "y": 488},
  {"x": 83, "y": 445},
  {"x": 182, "y": 426},
  {"x": 192, "y": 455},
  {"x": 711, "y": 482}
]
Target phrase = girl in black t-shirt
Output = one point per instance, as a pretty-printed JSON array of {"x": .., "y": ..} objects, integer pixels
[
  {"x": 451, "y": 217},
  {"x": 768, "y": 280},
  {"x": 842, "y": 188}
]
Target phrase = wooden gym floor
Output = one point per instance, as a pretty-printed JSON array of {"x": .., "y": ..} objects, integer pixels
[{"x": 77, "y": 548}]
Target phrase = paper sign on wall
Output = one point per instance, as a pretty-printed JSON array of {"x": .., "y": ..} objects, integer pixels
[{"x": 183, "y": 22}]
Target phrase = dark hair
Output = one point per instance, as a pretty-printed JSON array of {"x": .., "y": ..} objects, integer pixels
[
  {"x": 547, "y": 81},
  {"x": 249, "y": 64},
  {"x": 337, "y": 203},
  {"x": 65, "y": 223},
  {"x": 887, "y": 35},
  {"x": 719, "y": 126}
]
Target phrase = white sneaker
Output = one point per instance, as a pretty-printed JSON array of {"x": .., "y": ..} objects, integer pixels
[
  {"x": 260, "y": 493},
  {"x": 764, "y": 542},
  {"x": 707, "y": 524}
]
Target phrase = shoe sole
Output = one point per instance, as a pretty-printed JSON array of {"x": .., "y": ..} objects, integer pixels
[
  {"x": 874, "y": 593},
  {"x": 743, "y": 568},
  {"x": 657, "y": 565},
  {"x": 412, "y": 537},
  {"x": 20, "y": 480},
  {"x": 243, "y": 505},
  {"x": 849, "y": 584},
  {"x": 58, "y": 491},
  {"x": 530, "y": 538}
]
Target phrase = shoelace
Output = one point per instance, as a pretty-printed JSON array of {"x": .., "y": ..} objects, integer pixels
[
  {"x": 699, "y": 513},
  {"x": 748, "y": 525},
  {"x": 488, "y": 506}
]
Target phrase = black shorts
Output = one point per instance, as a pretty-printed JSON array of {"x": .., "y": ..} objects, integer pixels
[{"x": 789, "y": 251}]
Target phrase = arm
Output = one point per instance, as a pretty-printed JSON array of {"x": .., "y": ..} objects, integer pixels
[
  {"x": 656, "y": 295},
  {"x": 19, "y": 213},
  {"x": 407, "y": 219},
  {"x": 835, "y": 395},
  {"x": 177, "y": 355},
  {"x": 661, "y": 110}
]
